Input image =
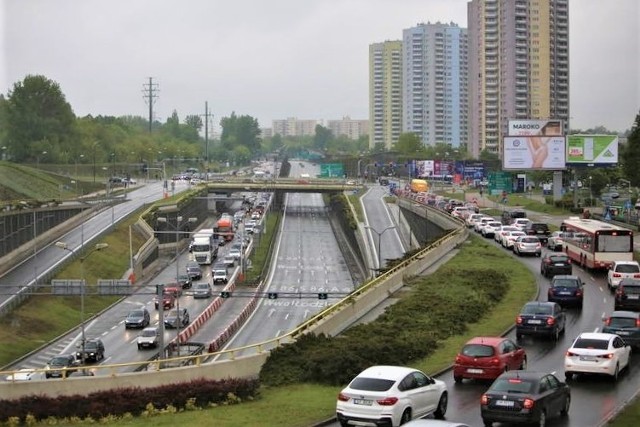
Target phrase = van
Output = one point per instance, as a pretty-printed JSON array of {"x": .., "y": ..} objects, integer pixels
[{"x": 220, "y": 275}]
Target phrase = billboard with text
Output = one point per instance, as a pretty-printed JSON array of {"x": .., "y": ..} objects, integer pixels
[
  {"x": 534, "y": 153},
  {"x": 535, "y": 127},
  {"x": 592, "y": 149}
]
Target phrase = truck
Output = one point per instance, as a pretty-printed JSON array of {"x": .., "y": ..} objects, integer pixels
[
  {"x": 224, "y": 228},
  {"x": 203, "y": 247},
  {"x": 419, "y": 186}
]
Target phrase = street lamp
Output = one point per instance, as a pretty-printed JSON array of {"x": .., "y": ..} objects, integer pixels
[
  {"x": 97, "y": 247},
  {"x": 93, "y": 147},
  {"x": 379, "y": 234},
  {"x": 590, "y": 192}
]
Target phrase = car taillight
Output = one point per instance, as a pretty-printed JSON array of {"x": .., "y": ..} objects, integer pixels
[
  {"x": 387, "y": 401},
  {"x": 606, "y": 356},
  {"x": 458, "y": 359},
  {"x": 538, "y": 245},
  {"x": 551, "y": 321},
  {"x": 343, "y": 398},
  {"x": 484, "y": 400},
  {"x": 528, "y": 403},
  {"x": 547, "y": 261},
  {"x": 495, "y": 361},
  {"x": 636, "y": 276},
  {"x": 617, "y": 275},
  {"x": 519, "y": 320},
  {"x": 578, "y": 293},
  {"x": 607, "y": 321},
  {"x": 569, "y": 261},
  {"x": 570, "y": 354},
  {"x": 637, "y": 323}
]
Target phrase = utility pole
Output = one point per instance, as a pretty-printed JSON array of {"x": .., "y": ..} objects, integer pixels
[
  {"x": 207, "y": 114},
  {"x": 149, "y": 94}
]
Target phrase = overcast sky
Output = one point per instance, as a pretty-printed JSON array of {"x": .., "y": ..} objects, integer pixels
[{"x": 273, "y": 59}]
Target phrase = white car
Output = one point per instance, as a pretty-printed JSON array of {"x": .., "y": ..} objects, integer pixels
[
  {"x": 490, "y": 228},
  {"x": 481, "y": 223},
  {"x": 509, "y": 238},
  {"x": 502, "y": 231},
  {"x": 471, "y": 219},
  {"x": 521, "y": 223},
  {"x": 622, "y": 270},
  {"x": 395, "y": 394},
  {"x": 460, "y": 212},
  {"x": 597, "y": 353},
  {"x": 235, "y": 253},
  {"x": 556, "y": 240},
  {"x": 24, "y": 374}
]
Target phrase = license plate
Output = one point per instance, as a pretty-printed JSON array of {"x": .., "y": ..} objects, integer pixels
[
  {"x": 535, "y": 322},
  {"x": 504, "y": 403},
  {"x": 362, "y": 402},
  {"x": 588, "y": 358},
  {"x": 633, "y": 296},
  {"x": 475, "y": 371},
  {"x": 623, "y": 333},
  {"x": 558, "y": 264},
  {"x": 565, "y": 293}
]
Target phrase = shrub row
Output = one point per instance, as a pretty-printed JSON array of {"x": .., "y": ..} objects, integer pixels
[
  {"x": 134, "y": 400},
  {"x": 436, "y": 307}
]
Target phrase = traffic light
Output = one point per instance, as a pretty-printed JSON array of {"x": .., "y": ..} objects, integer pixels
[
  {"x": 272, "y": 295},
  {"x": 225, "y": 294},
  {"x": 322, "y": 295}
]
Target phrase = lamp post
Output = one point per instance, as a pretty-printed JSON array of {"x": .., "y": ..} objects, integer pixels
[
  {"x": 97, "y": 247},
  {"x": 379, "y": 234},
  {"x": 626, "y": 181},
  {"x": 93, "y": 147},
  {"x": 590, "y": 191}
]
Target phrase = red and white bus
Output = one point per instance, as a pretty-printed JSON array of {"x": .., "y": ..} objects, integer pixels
[{"x": 596, "y": 244}]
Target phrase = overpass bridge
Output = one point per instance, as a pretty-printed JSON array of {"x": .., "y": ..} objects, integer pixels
[{"x": 284, "y": 185}]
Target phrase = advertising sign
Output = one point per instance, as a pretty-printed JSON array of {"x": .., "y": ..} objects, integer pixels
[
  {"x": 592, "y": 149},
  {"x": 424, "y": 168},
  {"x": 331, "y": 170},
  {"x": 499, "y": 182},
  {"x": 535, "y": 127},
  {"x": 533, "y": 152}
]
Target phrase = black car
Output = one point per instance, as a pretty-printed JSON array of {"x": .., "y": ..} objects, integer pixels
[
  {"x": 138, "y": 318},
  {"x": 93, "y": 351},
  {"x": 538, "y": 229},
  {"x": 185, "y": 281},
  {"x": 176, "y": 318},
  {"x": 625, "y": 324},
  {"x": 552, "y": 264},
  {"x": 627, "y": 296},
  {"x": 566, "y": 289},
  {"x": 61, "y": 366},
  {"x": 541, "y": 318},
  {"x": 525, "y": 397},
  {"x": 508, "y": 216},
  {"x": 194, "y": 271}
]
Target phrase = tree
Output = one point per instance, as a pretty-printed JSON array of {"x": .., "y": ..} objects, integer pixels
[
  {"x": 194, "y": 121},
  {"x": 38, "y": 117},
  {"x": 409, "y": 143},
  {"x": 243, "y": 130},
  {"x": 322, "y": 137},
  {"x": 631, "y": 154}
]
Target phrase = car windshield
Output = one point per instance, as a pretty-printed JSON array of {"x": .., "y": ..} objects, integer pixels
[
  {"x": 477, "y": 350},
  {"x": 627, "y": 268},
  {"x": 565, "y": 283},
  {"x": 591, "y": 343},
  {"x": 148, "y": 333},
  {"x": 512, "y": 386},
  {"x": 558, "y": 258},
  {"x": 135, "y": 314},
  {"x": 90, "y": 345},
  {"x": 536, "y": 309},
  {"x": 529, "y": 240},
  {"x": 202, "y": 286},
  {"x": 622, "y": 322},
  {"x": 59, "y": 360},
  {"x": 371, "y": 384}
]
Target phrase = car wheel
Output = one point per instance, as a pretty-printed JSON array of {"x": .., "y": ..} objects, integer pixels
[
  {"x": 457, "y": 379},
  {"x": 565, "y": 409},
  {"x": 542, "y": 421},
  {"x": 344, "y": 423},
  {"x": 518, "y": 336},
  {"x": 406, "y": 416},
  {"x": 442, "y": 406},
  {"x": 139, "y": 347},
  {"x": 568, "y": 376},
  {"x": 523, "y": 365},
  {"x": 556, "y": 335},
  {"x": 538, "y": 254},
  {"x": 616, "y": 373},
  {"x": 487, "y": 423}
]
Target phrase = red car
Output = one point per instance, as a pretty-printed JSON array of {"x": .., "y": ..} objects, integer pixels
[
  {"x": 485, "y": 358},
  {"x": 168, "y": 301}
]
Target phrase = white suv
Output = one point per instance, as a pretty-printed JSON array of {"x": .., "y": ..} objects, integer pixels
[
  {"x": 521, "y": 223},
  {"x": 622, "y": 270}
]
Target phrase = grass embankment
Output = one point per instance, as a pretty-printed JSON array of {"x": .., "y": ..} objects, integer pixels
[{"x": 304, "y": 404}]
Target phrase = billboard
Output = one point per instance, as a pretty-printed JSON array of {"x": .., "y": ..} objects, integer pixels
[
  {"x": 535, "y": 127},
  {"x": 592, "y": 149},
  {"x": 533, "y": 152},
  {"x": 331, "y": 170}
]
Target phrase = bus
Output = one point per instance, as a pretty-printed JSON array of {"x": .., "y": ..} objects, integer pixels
[{"x": 595, "y": 244}]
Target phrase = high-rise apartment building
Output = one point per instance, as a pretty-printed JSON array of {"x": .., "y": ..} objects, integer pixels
[
  {"x": 352, "y": 129},
  {"x": 385, "y": 93},
  {"x": 295, "y": 127},
  {"x": 518, "y": 66},
  {"x": 435, "y": 83}
]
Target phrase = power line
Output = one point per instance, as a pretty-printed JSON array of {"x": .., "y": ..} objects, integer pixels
[
  {"x": 149, "y": 93},
  {"x": 206, "y": 115}
]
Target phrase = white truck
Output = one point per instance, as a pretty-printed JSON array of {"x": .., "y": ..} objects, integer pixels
[{"x": 204, "y": 247}]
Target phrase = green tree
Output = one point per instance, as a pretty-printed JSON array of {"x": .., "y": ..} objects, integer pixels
[
  {"x": 322, "y": 137},
  {"x": 408, "y": 143},
  {"x": 194, "y": 121},
  {"x": 630, "y": 158},
  {"x": 491, "y": 160},
  {"x": 38, "y": 119},
  {"x": 243, "y": 130}
]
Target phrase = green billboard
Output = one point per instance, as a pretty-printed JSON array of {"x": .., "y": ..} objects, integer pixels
[
  {"x": 499, "y": 182},
  {"x": 592, "y": 149}
]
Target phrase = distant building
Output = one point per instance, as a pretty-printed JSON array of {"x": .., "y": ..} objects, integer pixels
[
  {"x": 294, "y": 127},
  {"x": 385, "y": 93},
  {"x": 266, "y": 132},
  {"x": 434, "y": 83},
  {"x": 352, "y": 129}
]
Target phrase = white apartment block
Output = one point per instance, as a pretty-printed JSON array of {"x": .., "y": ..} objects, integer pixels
[
  {"x": 352, "y": 129},
  {"x": 295, "y": 127}
]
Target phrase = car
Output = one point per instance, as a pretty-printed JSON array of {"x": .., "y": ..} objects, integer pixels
[
  {"x": 566, "y": 290},
  {"x": 597, "y": 353},
  {"x": 460, "y": 212},
  {"x": 485, "y": 358},
  {"x": 553, "y": 263},
  {"x": 229, "y": 261},
  {"x": 236, "y": 253},
  {"x": 174, "y": 289},
  {"x": 184, "y": 281},
  {"x": 502, "y": 231},
  {"x": 390, "y": 395},
  {"x": 620, "y": 270},
  {"x": 93, "y": 350},
  {"x": 220, "y": 275},
  {"x": 508, "y": 216},
  {"x": 61, "y": 366},
  {"x": 434, "y": 423},
  {"x": 510, "y": 237},
  {"x": 138, "y": 318},
  {"x": 527, "y": 245},
  {"x": 194, "y": 271},
  {"x": 255, "y": 215},
  {"x": 525, "y": 397},
  {"x": 627, "y": 296},
  {"x": 490, "y": 228},
  {"x": 477, "y": 226},
  {"x": 556, "y": 240},
  {"x": 24, "y": 374},
  {"x": 168, "y": 301},
  {"x": 625, "y": 324},
  {"x": 521, "y": 223},
  {"x": 538, "y": 229},
  {"x": 177, "y": 318},
  {"x": 471, "y": 219},
  {"x": 202, "y": 290},
  {"x": 148, "y": 338},
  {"x": 541, "y": 318}
]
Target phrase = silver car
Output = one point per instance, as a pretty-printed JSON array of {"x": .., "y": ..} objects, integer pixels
[{"x": 527, "y": 245}]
